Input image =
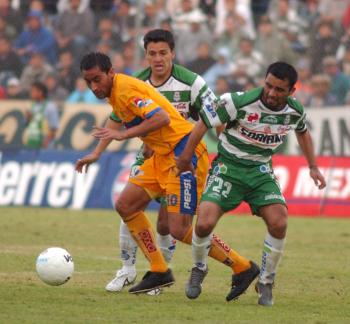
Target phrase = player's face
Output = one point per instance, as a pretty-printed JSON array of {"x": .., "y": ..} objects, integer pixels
[
  {"x": 276, "y": 92},
  {"x": 99, "y": 82},
  {"x": 160, "y": 58}
]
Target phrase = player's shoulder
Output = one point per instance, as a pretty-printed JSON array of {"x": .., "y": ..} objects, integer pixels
[
  {"x": 295, "y": 105},
  {"x": 242, "y": 99},
  {"x": 142, "y": 74},
  {"x": 183, "y": 74}
]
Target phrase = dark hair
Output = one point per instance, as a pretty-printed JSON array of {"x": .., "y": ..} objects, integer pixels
[
  {"x": 159, "y": 35},
  {"x": 41, "y": 87},
  {"x": 94, "y": 59},
  {"x": 282, "y": 71}
]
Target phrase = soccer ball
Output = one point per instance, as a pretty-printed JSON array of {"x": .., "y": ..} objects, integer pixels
[{"x": 54, "y": 266}]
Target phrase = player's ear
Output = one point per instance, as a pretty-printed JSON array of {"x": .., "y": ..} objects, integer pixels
[{"x": 173, "y": 54}]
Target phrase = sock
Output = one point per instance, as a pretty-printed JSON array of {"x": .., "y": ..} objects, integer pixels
[
  {"x": 200, "y": 250},
  {"x": 128, "y": 247},
  {"x": 141, "y": 230},
  {"x": 221, "y": 252},
  {"x": 167, "y": 245},
  {"x": 271, "y": 256}
]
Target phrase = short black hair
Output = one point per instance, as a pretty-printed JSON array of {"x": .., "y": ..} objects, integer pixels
[
  {"x": 282, "y": 71},
  {"x": 41, "y": 87},
  {"x": 93, "y": 59},
  {"x": 159, "y": 35}
]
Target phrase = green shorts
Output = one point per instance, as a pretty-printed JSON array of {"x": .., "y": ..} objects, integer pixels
[
  {"x": 229, "y": 183},
  {"x": 135, "y": 169}
]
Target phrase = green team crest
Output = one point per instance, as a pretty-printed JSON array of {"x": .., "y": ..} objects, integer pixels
[{"x": 220, "y": 168}]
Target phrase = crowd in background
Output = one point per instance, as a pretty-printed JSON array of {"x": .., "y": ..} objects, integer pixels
[{"x": 229, "y": 42}]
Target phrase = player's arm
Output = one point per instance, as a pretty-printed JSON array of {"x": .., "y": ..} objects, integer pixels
[
  {"x": 99, "y": 149},
  {"x": 184, "y": 160},
  {"x": 307, "y": 147},
  {"x": 158, "y": 119}
]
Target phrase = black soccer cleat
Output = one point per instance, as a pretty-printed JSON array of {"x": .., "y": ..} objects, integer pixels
[
  {"x": 194, "y": 284},
  {"x": 152, "y": 280},
  {"x": 242, "y": 280}
]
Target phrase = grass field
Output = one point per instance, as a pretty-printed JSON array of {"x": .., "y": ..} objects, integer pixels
[{"x": 312, "y": 284}]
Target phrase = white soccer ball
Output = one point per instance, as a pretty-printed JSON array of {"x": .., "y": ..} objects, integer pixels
[{"x": 54, "y": 266}]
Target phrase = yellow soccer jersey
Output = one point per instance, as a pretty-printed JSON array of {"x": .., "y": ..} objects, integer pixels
[{"x": 134, "y": 100}]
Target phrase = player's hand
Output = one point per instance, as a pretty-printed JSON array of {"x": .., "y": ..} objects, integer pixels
[
  {"x": 183, "y": 165},
  {"x": 318, "y": 178},
  {"x": 108, "y": 133},
  {"x": 86, "y": 161}
]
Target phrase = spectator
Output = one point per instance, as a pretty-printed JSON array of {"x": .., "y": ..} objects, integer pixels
[
  {"x": 248, "y": 62},
  {"x": 82, "y": 94},
  {"x": 14, "y": 90},
  {"x": 6, "y": 30},
  {"x": 222, "y": 86},
  {"x": 190, "y": 40},
  {"x": 340, "y": 83},
  {"x": 55, "y": 91},
  {"x": 42, "y": 119},
  {"x": 222, "y": 67},
  {"x": 67, "y": 71},
  {"x": 36, "y": 38},
  {"x": 303, "y": 86},
  {"x": 240, "y": 11},
  {"x": 203, "y": 61},
  {"x": 118, "y": 64},
  {"x": 106, "y": 34},
  {"x": 74, "y": 27},
  {"x": 320, "y": 96},
  {"x": 345, "y": 61},
  {"x": 10, "y": 64},
  {"x": 230, "y": 36},
  {"x": 325, "y": 43},
  {"x": 37, "y": 70},
  {"x": 12, "y": 17},
  {"x": 152, "y": 15}
]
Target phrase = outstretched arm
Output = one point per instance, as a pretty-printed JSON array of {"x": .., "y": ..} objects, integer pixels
[
  {"x": 306, "y": 145},
  {"x": 183, "y": 161},
  {"x": 156, "y": 121},
  {"x": 99, "y": 149}
]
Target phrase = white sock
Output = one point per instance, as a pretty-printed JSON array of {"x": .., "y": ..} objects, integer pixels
[
  {"x": 128, "y": 247},
  {"x": 167, "y": 245},
  {"x": 200, "y": 250},
  {"x": 272, "y": 254}
]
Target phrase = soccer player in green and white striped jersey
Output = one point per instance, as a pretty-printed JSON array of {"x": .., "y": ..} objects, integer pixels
[
  {"x": 257, "y": 122},
  {"x": 185, "y": 90}
]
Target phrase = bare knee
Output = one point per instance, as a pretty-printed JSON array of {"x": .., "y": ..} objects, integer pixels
[
  {"x": 203, "y": 229},
  {"x": 122, "y": 208}
]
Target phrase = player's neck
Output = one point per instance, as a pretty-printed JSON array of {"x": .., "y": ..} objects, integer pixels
[{"x": 158, "y": 80}]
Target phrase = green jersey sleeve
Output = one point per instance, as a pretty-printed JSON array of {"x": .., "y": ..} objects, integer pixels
[
  {"x": 219, "y": 111},
  {"x": 301, "y": 125},
  {"x": 114, "y": 117}
]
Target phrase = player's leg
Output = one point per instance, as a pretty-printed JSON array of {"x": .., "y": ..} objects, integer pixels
[
  {"x": 267, "y": 201},
  {"x": 166, "y": 242},
  {"x": 128, "y": 247},
  {"x": 275, "y": 217}
]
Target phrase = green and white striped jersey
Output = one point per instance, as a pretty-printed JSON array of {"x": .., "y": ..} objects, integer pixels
[
  {"x": 253, "y": 132},
  {"x": 184, "y": 89}
]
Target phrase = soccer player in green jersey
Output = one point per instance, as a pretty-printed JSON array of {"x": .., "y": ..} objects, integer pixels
[
  {"x": 257, "y": 122},
  {"x": 186, "y": 91}
]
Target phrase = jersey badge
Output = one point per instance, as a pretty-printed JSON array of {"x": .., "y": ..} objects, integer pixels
[
  {"x": 177, "y": 96},
  {"x": 253, "y": 117}
]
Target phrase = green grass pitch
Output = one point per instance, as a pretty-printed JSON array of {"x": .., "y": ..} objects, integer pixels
[{"x": 312, "y": 284}]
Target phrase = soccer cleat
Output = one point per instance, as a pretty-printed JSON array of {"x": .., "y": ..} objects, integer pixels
[
  {"x": 265, "y": 293},
  {"x": 122, "y": 278},
  {"x": 242, "y": 280},
  {"x": 152, "y": 281},
  {"x": 194, "y": 284}
]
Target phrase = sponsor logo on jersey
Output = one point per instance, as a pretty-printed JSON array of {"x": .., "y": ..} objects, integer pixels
[
  {"x": 267, "y": 130},
  {"x": 171, "y": 200},
  {"x": 148, "y": 241},
  {"x": 253, "y": 118},
  {"x": 177, "y": 96},
  {"x": 284, "y": 129},
  {"x": 264, "y": 168},
  {"x": 210, "y": 109},
  {"x": 187, "y": 193},
  {"x": 142, "y": 103},
  {"x": 220, "y": 168},
  {"x": 262, "y": 137},
  {"x": 269, "y": 120}
]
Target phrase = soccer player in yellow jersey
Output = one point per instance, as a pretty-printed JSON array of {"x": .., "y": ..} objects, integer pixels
[{"x": 146, "y": 114}]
